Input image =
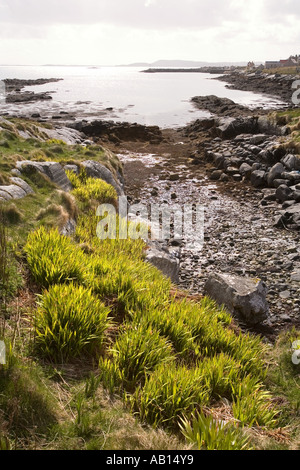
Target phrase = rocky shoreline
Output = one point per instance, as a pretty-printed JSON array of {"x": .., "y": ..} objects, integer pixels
[
  {"x": 212, "y": 70},
  {"x": 15, "y": 86},
  {"x": 236, "y": 164},
  {"x": 240, "y": 170},
  {"x": 269, "y": 84}
]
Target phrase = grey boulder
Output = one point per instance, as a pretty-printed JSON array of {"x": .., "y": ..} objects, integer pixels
[
  {"x": 72, "y": 168},
  {"x": 291, "y": 162},
  {"x": 22, "y": 184},
  {"x": 275, "y": 173},
  {"x": 69, "y": 228},
  {"x": 245, "y": 170},
  {"x": 53, "y": 170},
  {"x": 163, "y": 260},
  {"x": 243, "y": 297},
  {"x": 97, "y": 170},
  {"x": 258, "y": 178},
  {"x": 11, "y": 192},
  {"x": 283, "y": 193}
]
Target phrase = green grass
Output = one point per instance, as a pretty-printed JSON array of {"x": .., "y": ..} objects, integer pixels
[
  {"x": 169, "y": 394},
  {"x": 24, "y": 215},
  {"x": 156, "y": 328},
  {"x": 69, "y": 323},
  {"x": 93, "y": 193},
  {"x": 54, "y": 259},
  {"x": 137, "y": 352},
  {"x": 39, "y": 147},
  {"x": 207, "y": 359},
  {"x": 100, "y": 423},
  {"x": 207, "y": 433},
  {"x": 28, "y": 409},
  {"x": 291, "y": 119},
  {"x": 129, "y": 362},
  {"x": 283, "y": 380},
  {"x": 283, "y": 70},
  {"x": 10, "y": 278}
]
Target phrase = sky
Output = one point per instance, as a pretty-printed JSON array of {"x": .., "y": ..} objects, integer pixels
[{"x": 111, "y": 32}]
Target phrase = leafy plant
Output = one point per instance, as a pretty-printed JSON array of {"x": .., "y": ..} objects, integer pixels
[
  {"x": 53, "y": 258},
  {"x": 110, "y": 374},
  {"x": 69, "y": 322},
  {"x": 95, "y": 189},
  {"x": 138, "y": 350},
  {"x": 4, "y": 265},
  {"x": 255, "y": 409},
  {"x": 207, "y": 433},
  {"x": 221, "y": 374},
  {"x": 169, "y": 394}
]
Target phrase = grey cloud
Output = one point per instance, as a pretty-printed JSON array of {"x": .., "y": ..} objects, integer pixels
[
  {"x": 281, "y": 10},
  {"x": 168, "y": 14}
]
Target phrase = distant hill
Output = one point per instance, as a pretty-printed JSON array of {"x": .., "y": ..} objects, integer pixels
[{"x": 184, "y": 63}]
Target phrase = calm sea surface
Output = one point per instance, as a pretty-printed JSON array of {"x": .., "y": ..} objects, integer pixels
[{"x": 154, "y": 99}]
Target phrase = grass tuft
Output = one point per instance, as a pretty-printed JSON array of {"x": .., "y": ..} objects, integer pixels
[{"x": 70, "y": 322}]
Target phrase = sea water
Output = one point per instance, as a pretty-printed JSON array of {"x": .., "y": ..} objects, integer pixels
[{"x": 124, "y": 94}]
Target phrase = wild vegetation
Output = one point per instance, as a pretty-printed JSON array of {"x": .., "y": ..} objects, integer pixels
[
  {"x": 103, "y": 352},
  {"x": 291, "y": 119},
  {"x": 283, "y": 70}
]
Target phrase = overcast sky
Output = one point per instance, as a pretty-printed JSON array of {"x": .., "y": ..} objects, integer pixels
[{"x": 125, "y": 31}]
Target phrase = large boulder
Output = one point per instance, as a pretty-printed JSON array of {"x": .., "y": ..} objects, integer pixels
[
  {"x": 163, "y": 260},
  {"x": 11, "y": 192},
  {"x": 53, "y": 170},
  {"x": 230, "y": 127},
  {"x": 22, "y": 184},
  {"x": 291, "y": 162},
  {"x": 289, "y": 217},
  {"x": 258, "y": 178},
  {"x": 245, "y": 170},
  {"x": 265, "y": 126},
  {"x": 275, "y": 173},
  {"x": 292, "y": 176},
  {"x": 97, "y": 170},
  {"x": 291, "y": 210},
  {"x": 258, "y": 139},
  {"x": 119, "y": 131},
  {"x": 283, "y": 193},
  {"x": 243, "y": 297}
]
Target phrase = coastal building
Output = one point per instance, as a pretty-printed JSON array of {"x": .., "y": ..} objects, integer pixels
[
  {"x": 292, "y": 61},
  {"x": 272, "y": 64},
  {"x": 251, "y": 65}
]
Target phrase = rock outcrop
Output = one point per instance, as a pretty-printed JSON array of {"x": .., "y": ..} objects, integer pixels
[
  {"x": 262, "y": 160},
  {"x": 279, "y": 85},
  {"x": 119, "y": 131},
  {"x": 243, "y": 297},
  {"x": 97, "y": 170},
  {"x": 219, "y": 106},
  {"x": 17, "y": 190},
  {"x": 53, "y": 170},
  {"x": 16, "y": 95},
  {"x": 163, "y": 260}
]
